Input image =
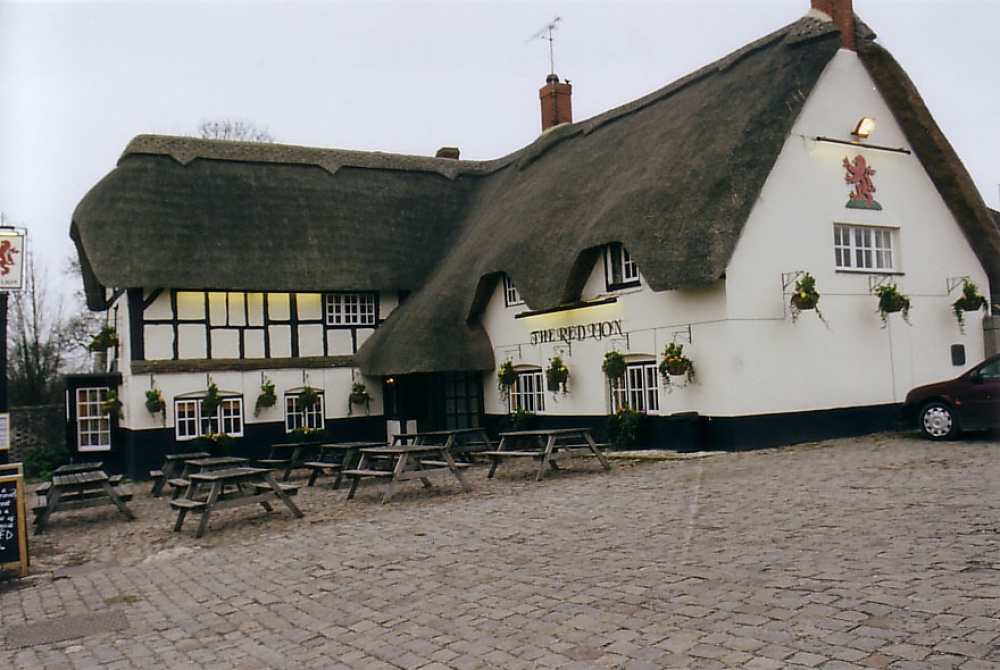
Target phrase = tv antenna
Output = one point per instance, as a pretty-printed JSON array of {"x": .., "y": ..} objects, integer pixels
[{"x": 546, "y": 34}]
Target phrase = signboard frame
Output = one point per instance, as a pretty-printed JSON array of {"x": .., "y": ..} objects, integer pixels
[{"x": 21, "y": 530}]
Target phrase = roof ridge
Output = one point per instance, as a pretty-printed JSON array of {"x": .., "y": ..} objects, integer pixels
[
  {"x": 803, "y": 29},
  {"x": 184, "y": 150}
]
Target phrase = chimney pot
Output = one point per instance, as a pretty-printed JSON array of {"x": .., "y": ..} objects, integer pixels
[{"x": 447, "y": 152}]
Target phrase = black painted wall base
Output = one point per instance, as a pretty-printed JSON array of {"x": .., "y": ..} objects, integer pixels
[
  {"x": 689, "y": 431},
  {"x": 135, "y": 453}
]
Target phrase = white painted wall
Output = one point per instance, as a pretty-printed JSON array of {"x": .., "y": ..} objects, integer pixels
[{"x": 749, "y": 355}]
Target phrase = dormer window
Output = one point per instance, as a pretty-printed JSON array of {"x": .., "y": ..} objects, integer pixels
[
  {"x": 510, "y": 295},
  {"x": 619, "y": 268}
]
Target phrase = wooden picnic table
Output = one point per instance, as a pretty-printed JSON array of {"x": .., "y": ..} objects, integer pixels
[
  {"x": 413, "y": 461},
  {"x": 70, "y": 468},
  {"x": 287, "y": 457},
  {"x": 546, "y": 446},
  {"x": 336, "y": 457},
  {"x": 78, "y": 486},
  {"x": 173, "y": 464},
  {"x": 203, "y": 464},
  {"x": 462, "y": 442},
  {"x": 231, "y": 487}
]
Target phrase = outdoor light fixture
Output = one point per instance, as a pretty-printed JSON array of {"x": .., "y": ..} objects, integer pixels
[{"x": 865, "y": 127}]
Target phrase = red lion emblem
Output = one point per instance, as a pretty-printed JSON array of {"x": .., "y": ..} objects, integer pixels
[{"x": 859, "y": 174}]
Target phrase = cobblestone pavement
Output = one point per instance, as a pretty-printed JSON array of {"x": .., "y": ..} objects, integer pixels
[{"x": 871, "y": 552}]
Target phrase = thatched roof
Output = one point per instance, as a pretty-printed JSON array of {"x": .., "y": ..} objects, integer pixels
[
  {"x": 938, "y": 157},
  {"x": 673, "y": 176},
  {"x": 203, "y": 214}
]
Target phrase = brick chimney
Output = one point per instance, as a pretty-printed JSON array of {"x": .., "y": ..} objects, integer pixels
[
  {"x": 842, "y": 13},
  {"x": 556, "y": 98},
  {"x": 448, "y": 152}
]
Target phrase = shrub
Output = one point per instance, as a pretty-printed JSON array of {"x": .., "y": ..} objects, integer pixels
[{"x": 41, "y": 461}]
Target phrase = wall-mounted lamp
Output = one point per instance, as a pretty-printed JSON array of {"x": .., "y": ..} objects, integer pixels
[{"x": 865, "y": 127}]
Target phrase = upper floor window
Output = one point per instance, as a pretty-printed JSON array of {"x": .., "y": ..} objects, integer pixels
[
  {"x": 528, "y": 392},
  {"x": 191, "y": 421},
  {"x": 619, "y": 268},
  {"x": 863, "y": 248},
  {"x": 297, "y": 416},
  {"x": 641, "y": 390},
  {"x": 351, "y": 309},
  {"x": 510, "y": 295}
]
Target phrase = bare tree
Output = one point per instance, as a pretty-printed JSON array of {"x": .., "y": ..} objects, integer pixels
[
  {"x": 235, "y": 131},
  {"x": 77, "y": 330},
  {"x": 34, "y": 343}
]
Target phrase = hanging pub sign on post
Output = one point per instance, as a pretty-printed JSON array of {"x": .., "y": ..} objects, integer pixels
[{"x": 11, "y": 259}]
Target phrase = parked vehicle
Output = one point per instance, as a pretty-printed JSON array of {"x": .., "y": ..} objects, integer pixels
[{"x": 971, "y": 401}]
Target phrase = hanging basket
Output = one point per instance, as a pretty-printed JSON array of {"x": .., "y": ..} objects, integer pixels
[
  {"x": 892, "y": 306},
  {"x": 614, "y": 367},
  {"x": 556, "y": 375},
  {"x": 804, "y": 302},
  {"x": 679, "y": 367},
  {"x": 970, "y": 304}
]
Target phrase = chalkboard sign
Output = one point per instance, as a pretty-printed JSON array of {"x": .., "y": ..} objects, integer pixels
[{"x": 13, "y": 533}]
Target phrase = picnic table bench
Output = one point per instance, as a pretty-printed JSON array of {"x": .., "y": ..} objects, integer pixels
[
  {"x": 406, "y": 462},
  {"x": 546, "y": 446},
  {"x": 464, "y": 443},
  {"x": 79, "y": 486},
  {"x": 335, "y": 458},
  {"x": 173, "y": 464},
  {"x": 193, "y": 465},
  {"x": 288, "y": 457},
  {"x": 231, "y": 487}
]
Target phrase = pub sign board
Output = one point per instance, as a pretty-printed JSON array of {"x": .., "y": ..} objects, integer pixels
[
  {"x": 11, "y": 260},
  {"x": 13, "y": 528}
]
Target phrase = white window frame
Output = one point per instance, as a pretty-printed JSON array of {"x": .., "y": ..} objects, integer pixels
[
  {"x": 511, "y": 296},
  {"x": 190, "y": 421},
  {"x": 528, "y": 392},
  {"x": 351, "y": 309},
  {"x": 314, "y": 417},
  {"x": 91, "y": 421},
  {"x": 641, "y": 390},
  {"x": 620, "y": 271},
  {"x": 187, "y": 418},
  {"x": 865, "y": 248}
]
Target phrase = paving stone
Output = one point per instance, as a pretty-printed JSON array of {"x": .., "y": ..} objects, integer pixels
[{"x": 866, "y": 552}]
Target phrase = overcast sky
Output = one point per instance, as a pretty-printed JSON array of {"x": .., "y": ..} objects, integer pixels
[{"x": 79, "y": 79}]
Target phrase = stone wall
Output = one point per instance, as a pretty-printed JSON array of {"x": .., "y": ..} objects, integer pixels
[{"x": 37, "y": 426}]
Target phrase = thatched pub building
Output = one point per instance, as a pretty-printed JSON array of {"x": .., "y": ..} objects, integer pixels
[{"x": 686, "y": 217}]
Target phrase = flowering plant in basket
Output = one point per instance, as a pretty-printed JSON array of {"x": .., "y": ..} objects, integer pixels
[
  {"x": 890, "y": 300},
  {"x": 104, "y": 340},
  {"x": 154, "y": 401},
  {"x": 556, "y": 375},
  {"x": 359, "y": 396},
  {"x": 970, "y": 301},
  {"x": 676, "y": 364},
  {"x": 614, "y": 368},
  {"x": 266, "y": 399},
  {"x": 805, "y": 297},
  {"x": 112, "y": 404},
  {"x": 506, "y": 376}
]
